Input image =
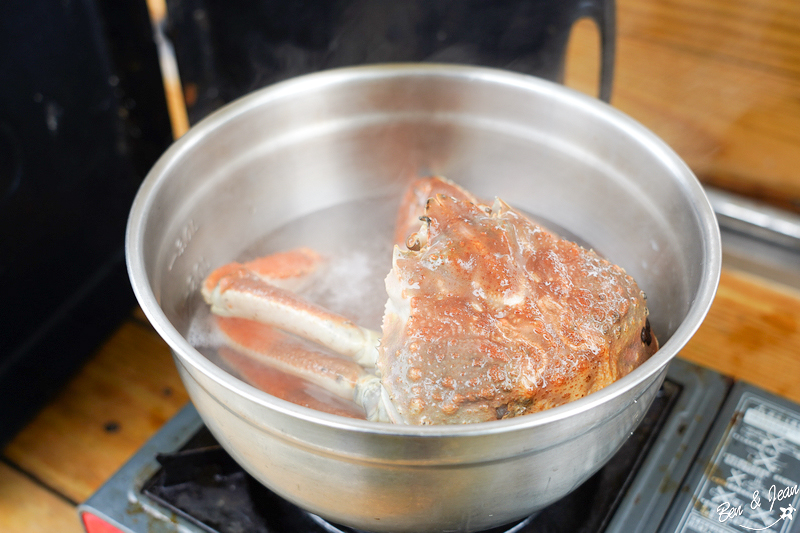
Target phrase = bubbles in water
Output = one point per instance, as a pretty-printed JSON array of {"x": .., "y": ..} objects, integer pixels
[
  {"x": 355, "y": 239},
  {"x": 202, "y": 332}
]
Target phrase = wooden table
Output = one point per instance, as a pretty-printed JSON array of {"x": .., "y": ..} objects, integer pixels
[{"x": 718, "y": 80}]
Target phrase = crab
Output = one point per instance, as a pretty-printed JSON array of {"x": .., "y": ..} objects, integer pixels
[{"x": 489, "y": 316}]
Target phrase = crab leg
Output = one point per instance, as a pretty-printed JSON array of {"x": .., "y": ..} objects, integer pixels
[
  {"x": 268, "y": 347},
  {"x": 251, "y": 306},
  {"x": 290, "y": 269},
  {"x": 284, "y": 385},
  {"x": 251, "y": 291}
]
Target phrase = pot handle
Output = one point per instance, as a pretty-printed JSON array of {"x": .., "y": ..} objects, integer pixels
[{"x": 603, "y": 12}]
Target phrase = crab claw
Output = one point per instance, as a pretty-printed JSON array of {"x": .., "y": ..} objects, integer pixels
[{"x": 412, "y": 206}]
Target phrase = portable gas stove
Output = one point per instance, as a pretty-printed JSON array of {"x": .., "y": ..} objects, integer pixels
[{"x": 710, "y": 456}]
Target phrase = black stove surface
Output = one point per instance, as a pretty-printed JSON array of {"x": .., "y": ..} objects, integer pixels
[{"x": 201, "y": 483}]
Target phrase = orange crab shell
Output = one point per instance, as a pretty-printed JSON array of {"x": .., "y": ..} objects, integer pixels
[{"x": 495, "y": 317}]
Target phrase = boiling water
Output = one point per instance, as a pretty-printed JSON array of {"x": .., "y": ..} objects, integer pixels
[{"x": 356, "y": 240}]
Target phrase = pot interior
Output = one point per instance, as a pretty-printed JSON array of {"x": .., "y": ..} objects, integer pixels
[{"x": 248, "y": 176}]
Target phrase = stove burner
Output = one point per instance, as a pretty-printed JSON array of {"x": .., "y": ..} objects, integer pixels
[
  {"x": 328, "y": 527},
  {"x": 205, "y": 486},
  {"x": 201, "y": 483}
]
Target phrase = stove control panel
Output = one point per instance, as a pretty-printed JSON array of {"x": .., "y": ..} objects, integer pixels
[{"x": 747, "y": 475}]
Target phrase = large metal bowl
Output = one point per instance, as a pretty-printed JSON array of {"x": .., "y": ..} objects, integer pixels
[{"x": 331, "y": 137}]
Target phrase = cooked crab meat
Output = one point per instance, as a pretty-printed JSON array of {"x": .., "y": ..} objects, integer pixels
[
  {"x": 489, "y": 316},
  {"x": 495, "y": 317}
]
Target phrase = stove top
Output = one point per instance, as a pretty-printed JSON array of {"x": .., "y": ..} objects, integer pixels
[
  {"x": 693, "y": 465},
  {"x": 203, "y": 485}
]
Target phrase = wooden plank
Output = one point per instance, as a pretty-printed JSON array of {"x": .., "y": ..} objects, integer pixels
[
  {"x": 718, "y": 81},
  {"x": 25, "y": 506},
  {"x": 138, "y": 314},
  {"x": 761, "y": 34},
  {"x": 127, "y": 390},
  {"x": 752, "y": 333}
]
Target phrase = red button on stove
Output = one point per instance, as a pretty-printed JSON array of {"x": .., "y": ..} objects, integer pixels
[{"x": 94, "y": 524}]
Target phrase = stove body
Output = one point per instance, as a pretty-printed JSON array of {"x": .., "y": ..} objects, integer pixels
[{"x": 704, "y": 448}]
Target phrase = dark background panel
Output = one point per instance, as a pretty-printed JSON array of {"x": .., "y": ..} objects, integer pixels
[
  {"x": 227, "y": 48},
  {"x": 82, "y": 118}
]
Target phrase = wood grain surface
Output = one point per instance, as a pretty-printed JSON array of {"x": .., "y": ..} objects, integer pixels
[
  {"x": 126, "y": 392},
  {"x": 27, "y": 506},
  {"x": 719, "y": 81},
  {"x": 752, "y": 333}
]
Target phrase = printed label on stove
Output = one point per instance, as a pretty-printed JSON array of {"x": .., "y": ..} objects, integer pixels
[{"x": 752, "y": 483}]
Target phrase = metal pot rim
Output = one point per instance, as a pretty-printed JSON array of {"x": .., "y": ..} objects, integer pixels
[{"x": 190, "y": 356}]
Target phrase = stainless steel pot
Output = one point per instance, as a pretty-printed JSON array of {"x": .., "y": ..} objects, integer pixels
[{"x": 326, "y": 138}]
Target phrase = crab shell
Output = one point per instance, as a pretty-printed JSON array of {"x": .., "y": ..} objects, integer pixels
[{"x": 491, "y": 316}]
